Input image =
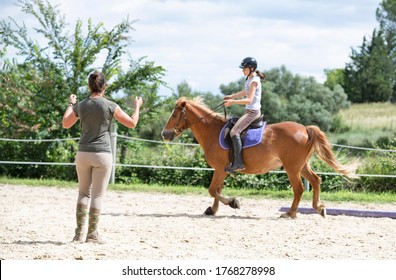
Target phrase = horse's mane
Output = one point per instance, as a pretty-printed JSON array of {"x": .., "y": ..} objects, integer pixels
[{"x": 199, "y": 102}]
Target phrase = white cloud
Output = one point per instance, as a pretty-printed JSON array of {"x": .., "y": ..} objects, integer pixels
[{"x": 203, "y": 42}]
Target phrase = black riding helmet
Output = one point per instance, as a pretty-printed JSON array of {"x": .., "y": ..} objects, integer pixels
[{"x": 249, "y": 62}]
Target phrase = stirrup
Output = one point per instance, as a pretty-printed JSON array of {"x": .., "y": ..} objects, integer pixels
[{"x": 231, "y": 170}]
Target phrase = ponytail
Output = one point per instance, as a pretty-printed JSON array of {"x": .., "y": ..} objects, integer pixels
[
  {"x": 261, "y": 75},
  {"x": 96, "y": 81}
]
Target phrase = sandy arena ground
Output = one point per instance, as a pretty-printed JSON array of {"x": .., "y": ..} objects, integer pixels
[{"x": 37, "y": 223}]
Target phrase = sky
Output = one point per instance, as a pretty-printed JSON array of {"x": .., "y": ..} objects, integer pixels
[{"x": 204, "y": 42}]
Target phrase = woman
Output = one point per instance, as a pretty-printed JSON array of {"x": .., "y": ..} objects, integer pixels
[
  {"x": 94, "y": 158},
  {"x": 251, "y": 98}
]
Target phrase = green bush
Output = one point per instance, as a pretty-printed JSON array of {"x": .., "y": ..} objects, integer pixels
[
  {"x": 166, "y": 156},
  {"x": 38, "y": 152},
  {"x": 382, "y": 164},
  {"x": 269, "y": 181},
  {"x": 338, "y": 125}
]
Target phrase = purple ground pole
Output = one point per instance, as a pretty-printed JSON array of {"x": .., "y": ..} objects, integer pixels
[{"x": 346, "y": 212}]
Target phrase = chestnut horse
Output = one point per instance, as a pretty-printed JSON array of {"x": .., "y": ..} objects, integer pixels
[{"x": 286, "y": 144}]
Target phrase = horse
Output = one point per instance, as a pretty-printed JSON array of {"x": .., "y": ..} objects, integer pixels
[{"x": 285, "y": 144}]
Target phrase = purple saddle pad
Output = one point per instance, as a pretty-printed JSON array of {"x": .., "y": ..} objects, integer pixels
[{"x": 252, "y": 137}]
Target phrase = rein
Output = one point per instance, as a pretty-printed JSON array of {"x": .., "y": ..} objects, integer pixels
[{"x": 183, "y": 112}]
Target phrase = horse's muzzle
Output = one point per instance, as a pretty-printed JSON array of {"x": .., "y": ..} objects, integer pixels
[{"x": 168, "y": 135}]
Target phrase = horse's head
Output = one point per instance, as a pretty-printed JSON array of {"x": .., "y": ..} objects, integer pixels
[
  {"x": 177, "y": 122},
  {"x": 186, "y": 114}
]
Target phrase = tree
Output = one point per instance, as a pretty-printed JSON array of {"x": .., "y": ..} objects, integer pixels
[
  {"x": 52, "y": 64},
  {"x": 386, "y": 16},
  {"x": 370, "y": 76},
  {"x": 52, "y": 70},
  {"x": 334, "y": 77},
  {"x": 184, "y": 89}
]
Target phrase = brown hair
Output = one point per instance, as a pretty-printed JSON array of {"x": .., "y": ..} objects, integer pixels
[
  {"x": 96, "y": 81},
  {"x": 261, "y": 75}
]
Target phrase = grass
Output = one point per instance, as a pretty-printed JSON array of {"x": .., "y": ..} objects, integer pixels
[
  {"x": 340, "y": 196},
  {"x": 371, "y": 116},
  {"x": 366, "y": 123},
  {"x": 360, "y": 138}
]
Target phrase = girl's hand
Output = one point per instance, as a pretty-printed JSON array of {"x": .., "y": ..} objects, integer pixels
[
  {"x": 228, "y": 102},
  {"x": 227, "y": 97}
]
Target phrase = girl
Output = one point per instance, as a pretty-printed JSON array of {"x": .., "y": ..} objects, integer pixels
[{"x": 251, "y": 97}]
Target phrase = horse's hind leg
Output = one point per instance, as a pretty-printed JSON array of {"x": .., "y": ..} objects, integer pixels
[
  {"x": 315, "y": 181},
  {"x": 298, "y": 189}
]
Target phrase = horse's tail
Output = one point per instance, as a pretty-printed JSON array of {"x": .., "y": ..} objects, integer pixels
[{"x": 318, "y": 143}]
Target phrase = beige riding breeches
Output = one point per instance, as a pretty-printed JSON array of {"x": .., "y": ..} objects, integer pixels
[{"x": 93, "y": 171}]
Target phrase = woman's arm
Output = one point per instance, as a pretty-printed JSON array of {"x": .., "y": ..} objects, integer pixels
[
  {"x": 69, "y": 117},
  {"x": 125, "y": 119}
]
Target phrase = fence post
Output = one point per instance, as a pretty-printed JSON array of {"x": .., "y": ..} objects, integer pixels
[
  {"x": 306, "y": 185},
  {"x": 113, "y": 139}
]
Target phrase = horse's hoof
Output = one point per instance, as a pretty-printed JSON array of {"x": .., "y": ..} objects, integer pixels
[
  {"x": 209, "y": 212},
  {"x": 287, "y": 216},
  {"x": 323, "y": 212},
  {"x": 235, "y": 204}
]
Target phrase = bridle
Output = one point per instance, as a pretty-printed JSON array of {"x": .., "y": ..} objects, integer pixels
[{"x": 183, "y": 115}]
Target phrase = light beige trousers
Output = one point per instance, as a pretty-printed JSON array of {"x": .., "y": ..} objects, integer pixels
[
  {"x": 245, "y": 121},
  {"x": 93, "y": 171}
]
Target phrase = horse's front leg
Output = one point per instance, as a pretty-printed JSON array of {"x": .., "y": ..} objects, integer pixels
[
  {"x": 212, "y": 210},
  {"x": 215, "y": 190}
]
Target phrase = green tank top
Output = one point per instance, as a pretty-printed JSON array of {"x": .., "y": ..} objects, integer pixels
[{"x": 96, "y": 116}]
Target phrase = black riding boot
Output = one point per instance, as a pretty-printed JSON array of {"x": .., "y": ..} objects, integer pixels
[{"x": 237, "y": 164}]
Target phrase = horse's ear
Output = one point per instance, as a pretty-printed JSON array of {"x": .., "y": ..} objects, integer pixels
[{"x": 183, "y": 104}]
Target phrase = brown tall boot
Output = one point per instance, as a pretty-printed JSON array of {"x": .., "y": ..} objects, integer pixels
[
  {"x": 81, "y": 217},
  {"x": 93, "y": 235}
]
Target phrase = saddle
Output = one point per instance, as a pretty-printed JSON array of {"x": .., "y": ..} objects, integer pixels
[{"x": 251, "y": 136}]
